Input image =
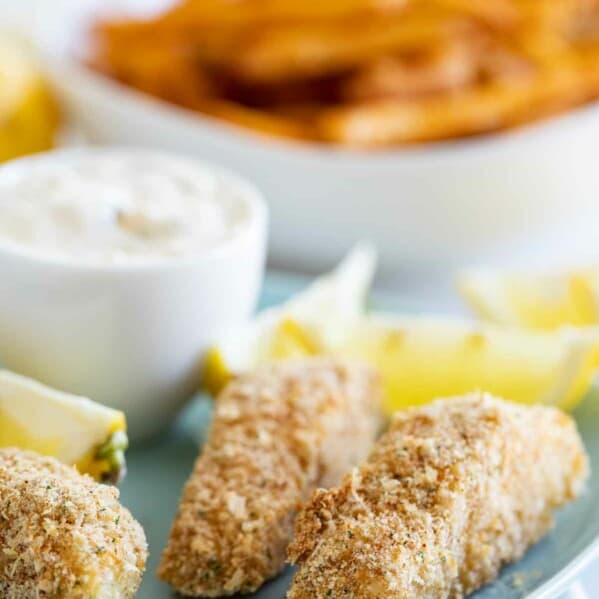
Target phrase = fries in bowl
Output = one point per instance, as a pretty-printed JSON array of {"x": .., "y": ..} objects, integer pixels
[{"x": 367, "y": 73}]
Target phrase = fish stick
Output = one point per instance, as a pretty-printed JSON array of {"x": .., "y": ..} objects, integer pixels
[
  {"x": 276, "y": 435},
  {"x": 451, "y": 493},
  {"x": 63, "y": 535}
]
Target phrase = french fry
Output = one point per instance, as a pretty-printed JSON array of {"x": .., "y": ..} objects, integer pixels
[
  {"x": 260, "y": 121},
  {"x": 475, "y": 111},
  {"x": 365, "y": 73},
  {"x": 499, "y": 13},
  {"x": 389, "y": 122},
  {"x": 445, "y": 68},
  {"x": 306, "y": 51},
  {"x": 203, "y": 13}
]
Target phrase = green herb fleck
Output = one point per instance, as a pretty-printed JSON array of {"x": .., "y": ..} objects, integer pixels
[{"x": 214, "y": 565}]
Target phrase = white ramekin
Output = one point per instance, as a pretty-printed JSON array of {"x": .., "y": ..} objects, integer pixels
[{"x": 128, "y": 335}]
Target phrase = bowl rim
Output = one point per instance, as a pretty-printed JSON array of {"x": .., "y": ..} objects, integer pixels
[
  {"x": 66, "y": 72},
  {"x": 251, "y": 196}
]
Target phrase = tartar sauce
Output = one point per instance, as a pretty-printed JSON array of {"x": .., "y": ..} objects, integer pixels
[{"x": 118, "y": 206}]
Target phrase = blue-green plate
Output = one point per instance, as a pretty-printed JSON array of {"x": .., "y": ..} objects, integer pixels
[{"x": 158, "y": 470}]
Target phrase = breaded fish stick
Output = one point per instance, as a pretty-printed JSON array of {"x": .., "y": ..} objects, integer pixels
[
  {"x": 63, "y": 535},
  {"x": 276, "y": 435},
  {"x": 451, "y": 493}
]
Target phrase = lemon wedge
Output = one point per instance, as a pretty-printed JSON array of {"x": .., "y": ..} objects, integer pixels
[
  {"x": 421, "y": 358},
  {"x": 29, "y": 116},
  {"x": 317, "y": 320},
  {"x": 72, "y": 429},
  {"x": 541, "y": 301}
]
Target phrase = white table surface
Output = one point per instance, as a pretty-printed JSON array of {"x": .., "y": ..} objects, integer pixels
[{"x": 17, "y": 15}]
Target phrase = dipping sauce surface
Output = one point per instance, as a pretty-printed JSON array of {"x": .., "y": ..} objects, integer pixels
[{"x": 118, "y": 206}]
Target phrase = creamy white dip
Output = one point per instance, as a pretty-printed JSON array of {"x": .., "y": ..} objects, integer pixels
[{"x": 118, "y": 206}]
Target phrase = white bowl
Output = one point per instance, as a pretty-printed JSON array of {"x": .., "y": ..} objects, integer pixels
[
  {"x": 428, "y": 208},
  {"x": 128, "y": 335}
]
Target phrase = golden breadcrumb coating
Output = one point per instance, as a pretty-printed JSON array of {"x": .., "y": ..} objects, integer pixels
[
  {"x": 276, "y": 435},
  {"x": 63, "y": 535},
  {"x": 452, "y": 492}
]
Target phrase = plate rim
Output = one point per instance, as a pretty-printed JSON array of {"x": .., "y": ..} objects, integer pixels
[{"x": 565, "y": 577}]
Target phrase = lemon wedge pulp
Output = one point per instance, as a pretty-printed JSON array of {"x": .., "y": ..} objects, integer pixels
[
  {"x": 540, "y": 301},
  {"x": 421, "y": 358},
  {"x": 315, "y": 321},
  {"x": 418, "y": 358},
  {"x": 72, "y": 429},
  {"x": 29, "y": 116}
]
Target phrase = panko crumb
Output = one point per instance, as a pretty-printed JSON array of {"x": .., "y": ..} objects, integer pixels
[
  {"x": 63, "y": 535},
  {"x": 452, "y": 492},
  {"x": 276, "y": 435}
]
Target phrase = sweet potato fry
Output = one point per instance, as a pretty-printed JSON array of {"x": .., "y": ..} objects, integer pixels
[
  {"x": 260, "y": 121},
  {"x": 389, "y": 122},
  {"x": 499, "y": 13},
  {"x": 221, "y": 13},
  {"x": 444, "y": 68},
  {"x": 474, "y": 111},
  {"x": 362, "y": 72},
  {"x": 296, "y": 51}
]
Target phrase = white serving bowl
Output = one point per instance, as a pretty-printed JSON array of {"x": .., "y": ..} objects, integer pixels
[
  {"x": 130, "y": 335},
  {"x": 429, "y": 208}
]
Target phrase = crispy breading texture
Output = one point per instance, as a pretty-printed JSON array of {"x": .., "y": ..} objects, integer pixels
[
  {"x": 63, "y": 535},
  {"x": 451, "y": 493},
  {"x": 276, "y": 435}
]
